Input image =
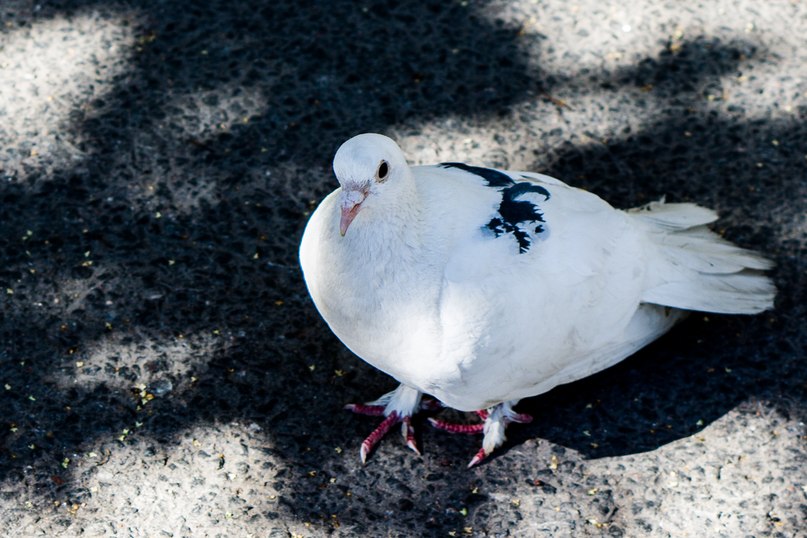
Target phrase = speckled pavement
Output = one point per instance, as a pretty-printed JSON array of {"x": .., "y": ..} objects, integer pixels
[{"x": 163, "y": 370}]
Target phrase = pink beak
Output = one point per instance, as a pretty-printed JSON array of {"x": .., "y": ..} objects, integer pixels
[{"x": 350, "y": 202}]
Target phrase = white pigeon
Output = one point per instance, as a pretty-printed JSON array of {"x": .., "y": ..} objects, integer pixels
[{"x": 480, "y": 287}]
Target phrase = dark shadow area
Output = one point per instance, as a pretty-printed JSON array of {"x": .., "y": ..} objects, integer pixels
[
  {"x": 225, "y": 270},
  {"x": 752, "y": 173}
]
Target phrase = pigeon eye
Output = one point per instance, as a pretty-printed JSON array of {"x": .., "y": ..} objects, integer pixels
[{"x": 382, "y": 173}]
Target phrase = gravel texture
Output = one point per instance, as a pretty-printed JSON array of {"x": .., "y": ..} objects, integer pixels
[{"x": 163, "y": 370}]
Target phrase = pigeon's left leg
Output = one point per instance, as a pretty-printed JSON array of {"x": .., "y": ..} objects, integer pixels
[
  {"x": 496, "y": 420},
  {"x": 499, "y": 416},
  {"x": 397, "y": 406}
]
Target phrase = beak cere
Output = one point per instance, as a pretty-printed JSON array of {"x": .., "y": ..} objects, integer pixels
[{"x": 350, "y": 204}]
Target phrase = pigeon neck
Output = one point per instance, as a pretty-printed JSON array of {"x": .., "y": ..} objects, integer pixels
[{"x": 392, "y": 225}]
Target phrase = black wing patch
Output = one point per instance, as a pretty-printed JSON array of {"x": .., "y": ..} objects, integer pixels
[
  {"x": 513, "y": 214},
  {"x": 494, "y": 178}
]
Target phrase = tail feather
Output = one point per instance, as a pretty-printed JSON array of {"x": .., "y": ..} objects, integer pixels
[
  {"x": 738, "y": 293},
  {"x": 703, "y": 250},
  {"x": 695, "y": 269},
  {"x": 674, "y": 216}
]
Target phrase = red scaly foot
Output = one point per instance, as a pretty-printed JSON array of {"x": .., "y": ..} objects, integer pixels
[
  {"x": 496, "y": 419},
  {"x": 398, "y": 406}
]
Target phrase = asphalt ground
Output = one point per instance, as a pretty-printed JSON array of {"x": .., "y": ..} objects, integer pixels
[{"x": 163, "y": 370}]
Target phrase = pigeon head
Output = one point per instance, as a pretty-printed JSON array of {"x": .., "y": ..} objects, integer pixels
[{"x": 368, "y": 166}]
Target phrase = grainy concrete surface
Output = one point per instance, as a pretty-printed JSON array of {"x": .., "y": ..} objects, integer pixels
[{"x": 163, "y": 371}]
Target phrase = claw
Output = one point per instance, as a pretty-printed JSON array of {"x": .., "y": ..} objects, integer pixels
[
  {"x": 409, "y": 434},
  {"x": 372, "y": 440},
  {"x": 481, "y": 455}
]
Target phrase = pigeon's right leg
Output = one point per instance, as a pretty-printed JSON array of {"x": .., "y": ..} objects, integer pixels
[{"x": 397, "y": 407}]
